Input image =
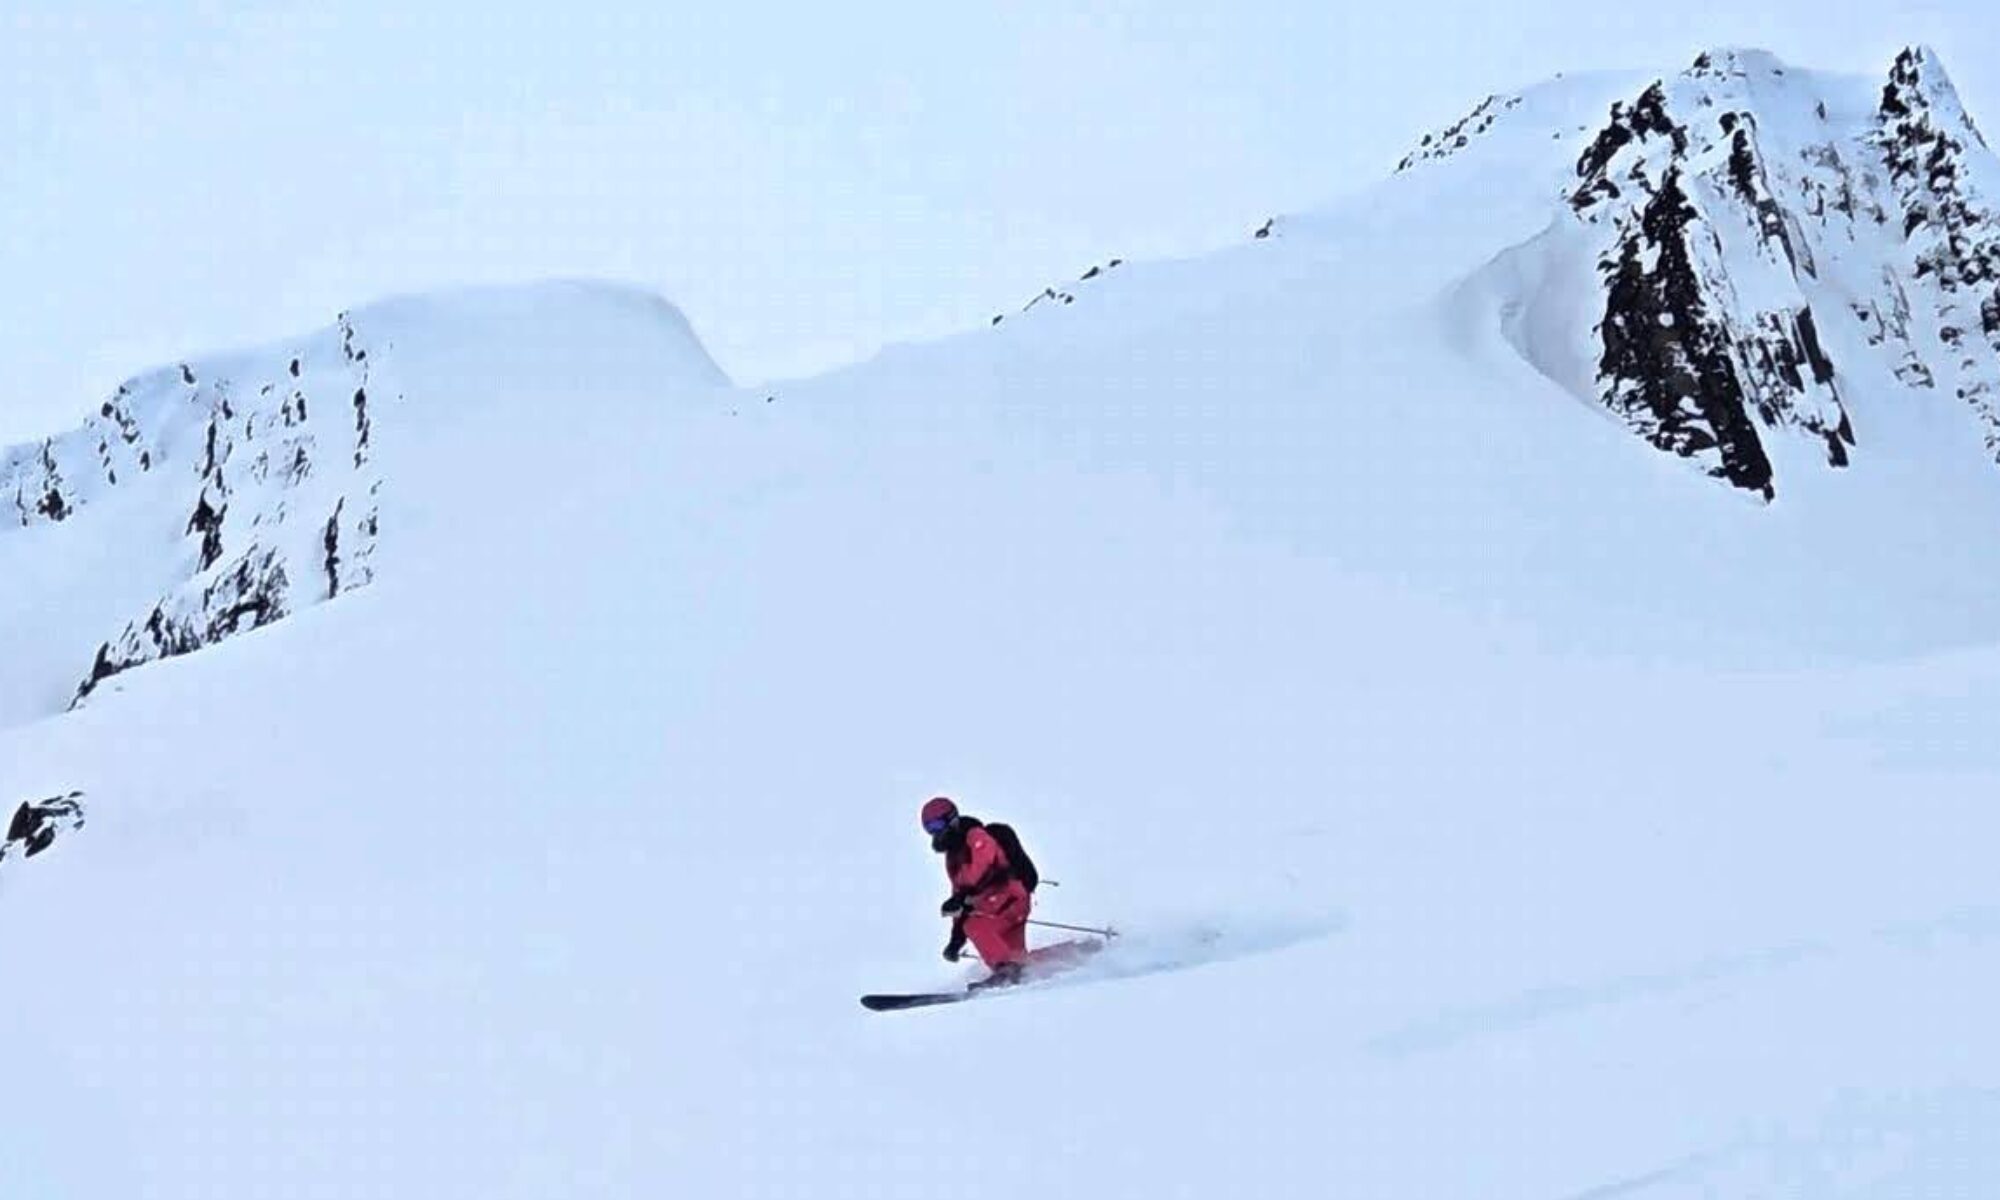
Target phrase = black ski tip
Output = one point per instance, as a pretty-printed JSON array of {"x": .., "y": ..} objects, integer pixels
[{"x": 877, "y": 1003}]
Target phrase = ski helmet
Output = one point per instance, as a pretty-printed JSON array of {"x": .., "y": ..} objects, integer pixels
[{"x": 938, "y": 814}]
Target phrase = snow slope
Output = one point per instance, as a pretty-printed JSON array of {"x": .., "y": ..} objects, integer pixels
[{"x": 1496, "y": 807}]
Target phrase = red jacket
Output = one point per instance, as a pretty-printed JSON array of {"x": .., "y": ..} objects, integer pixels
[{"x": 979, "y": 868}]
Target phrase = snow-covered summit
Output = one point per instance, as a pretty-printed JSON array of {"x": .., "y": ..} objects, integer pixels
[
  {"x": 1751, "y": 254},
  {"x": 219, "y": 494},
  {"x": 1763, "y": 269},
  {"x": 552, "y": 327}
]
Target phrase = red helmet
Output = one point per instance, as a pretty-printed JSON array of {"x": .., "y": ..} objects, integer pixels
[{"x": 938, "y": 814}]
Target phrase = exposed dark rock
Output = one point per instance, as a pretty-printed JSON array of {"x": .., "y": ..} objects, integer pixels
[
  {"x": 241, "y": 572},
  {"x": 1753, "y": 188},
  {"x": 1711, "y": 345},
  {"x": 248, "y": 596},
  {"x": 36, "y": 824},
  {"x": 1666, "y": 365},
  {"x": 1459, "y": 134},
  {"x": 53, "y": 504},
  {"x": 349, "y": 350},
  {"x": 1645, "y": 117},
  {"x": 209, "y": 458},
  {"x": 363, "y": 427},
  {"x": 331, "y": 543},
  {"x": 206, "y": 520},
  {"x": 1953, "y": 233}
]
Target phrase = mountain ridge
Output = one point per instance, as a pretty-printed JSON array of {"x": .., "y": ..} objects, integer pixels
[
  {"x": 1746, "y": 265},
  {"x": 1767, "y": 240},
  {"x": 266, "y": 457}
]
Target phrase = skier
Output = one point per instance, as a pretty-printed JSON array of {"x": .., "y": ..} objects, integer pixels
[{"x": 989, "y": 898}]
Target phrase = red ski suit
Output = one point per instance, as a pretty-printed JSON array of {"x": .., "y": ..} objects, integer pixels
[{"x": 996, "y": 914}]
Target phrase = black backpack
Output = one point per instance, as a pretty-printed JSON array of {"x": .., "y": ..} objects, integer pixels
[{"x": 1022, "y": 867}]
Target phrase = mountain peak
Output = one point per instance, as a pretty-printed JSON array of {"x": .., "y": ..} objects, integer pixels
[
  {"x": 267, "y": 458},
  {"x": 1775, "y": 252},
  {"x": 561, "y": 317}
]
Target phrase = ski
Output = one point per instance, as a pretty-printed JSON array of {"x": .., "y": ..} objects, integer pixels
[
  {"x": 894, "y": 1002},
  {"x": 1047, "y": 963}
]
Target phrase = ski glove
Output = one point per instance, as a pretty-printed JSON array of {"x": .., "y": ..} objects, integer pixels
[
  {"x": 953, "y": 906},
  {"x": 956, "y": 946}
]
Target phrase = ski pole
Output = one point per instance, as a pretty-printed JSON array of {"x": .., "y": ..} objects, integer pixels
[{"x": 1106, "y": 932}]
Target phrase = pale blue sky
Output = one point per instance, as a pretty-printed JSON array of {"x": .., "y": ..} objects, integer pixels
[{"x": 806, "y": 181}]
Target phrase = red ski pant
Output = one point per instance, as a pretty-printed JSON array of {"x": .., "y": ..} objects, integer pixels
[{"x": 997, "y": 924}]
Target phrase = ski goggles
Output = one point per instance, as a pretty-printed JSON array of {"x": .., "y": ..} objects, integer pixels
[{"x": 937, "y": 825}]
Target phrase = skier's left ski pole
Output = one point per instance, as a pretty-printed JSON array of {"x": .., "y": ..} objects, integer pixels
[{"x": 1106, "y": 932}]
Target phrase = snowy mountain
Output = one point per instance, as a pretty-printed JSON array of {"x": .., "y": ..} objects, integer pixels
[
  {"x": 1491, "y": 804},
  {"x": 1773, "y": 249},
  {"x": 217, "y": 496}
]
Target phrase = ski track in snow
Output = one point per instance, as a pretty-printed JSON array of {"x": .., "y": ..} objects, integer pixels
[
  {"x": 1162, "y": 949},
  {"x": 1154, "y": 950},
  {"x": 1649, "y": 1183}
]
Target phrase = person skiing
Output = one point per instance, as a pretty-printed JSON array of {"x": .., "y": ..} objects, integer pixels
[{"x": 989, "y": 900}]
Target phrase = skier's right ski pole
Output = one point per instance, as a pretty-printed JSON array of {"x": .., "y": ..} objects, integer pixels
[{"x": 1106, "y": 932}]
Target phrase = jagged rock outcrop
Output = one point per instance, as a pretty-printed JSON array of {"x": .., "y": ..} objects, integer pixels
[
  {"x": 49, "y": 480},
  {"x": 219, "y": 495},
  {"x": 280, "y": 496},
  {"x": 1063, "y": 295},
  {"x": 1942, "y": 180},
  {"x": 1767, "y": 241},
  {"x": 37, "y": 823},
  {"x": 1710, "y": 340},
  {"x": 1459, "y": 134},
  {"x": 1667, "y": 360}
]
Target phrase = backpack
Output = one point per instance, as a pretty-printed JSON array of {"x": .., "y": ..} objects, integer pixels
[{"x": 1021, "y": 866}]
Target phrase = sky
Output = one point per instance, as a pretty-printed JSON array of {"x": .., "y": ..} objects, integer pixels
[{"x": 808, "y": 183}]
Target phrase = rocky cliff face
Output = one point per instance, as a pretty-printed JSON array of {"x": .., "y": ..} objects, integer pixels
[
  {"x": 218, "y": 495},
  {"x": 1941, "y": 180},
  {"x": 36, "y": 824},
  {"x": 268, "y": 457},
  {"x": 1768, "y": 242},
  {"x": 1771, "y": 258}
]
